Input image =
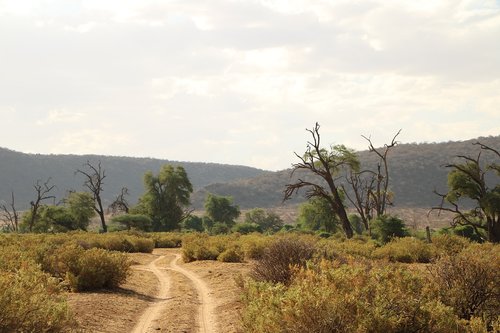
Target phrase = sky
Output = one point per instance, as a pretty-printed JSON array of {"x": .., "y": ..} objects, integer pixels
[{"x": 239, "y": 81}]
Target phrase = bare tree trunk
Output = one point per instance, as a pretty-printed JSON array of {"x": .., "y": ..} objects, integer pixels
[{"x": 94, "y": 182}]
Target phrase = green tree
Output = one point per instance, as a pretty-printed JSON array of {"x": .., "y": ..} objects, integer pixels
[
  {"x": 75, "y": 214},
  {"x": 193, "y": 223},
  {"x": 316, "y": 214},
  {"x": 134, "y": 221},
  {"x": 81, "y": 207},
  {"x": 325, "y": 164},
  {"x": 479, "y": 183},
  {"x": 221, "y": 209},
  {"x": 386, "y": 227},
  {"x": 267, "y": 221},
  {"x": 166, "y": 197}
]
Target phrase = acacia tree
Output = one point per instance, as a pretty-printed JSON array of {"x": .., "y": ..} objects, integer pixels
[
  {"x": 10, "y": 215},
  {"x": 42, "y": 193},
  {"x": 370, "y": 189},
  {"x": 468, "y": 180},
  {"x": 326, "y": 164},
  {"x": 166, "y": 197},
  {"x": 94, "y": 176}
]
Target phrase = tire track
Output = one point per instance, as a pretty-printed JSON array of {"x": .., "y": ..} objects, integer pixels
[
  {"x": 205, "y": 319},
  {"x": 154, "y": 310},
  {"x": 206, "y": 316}
]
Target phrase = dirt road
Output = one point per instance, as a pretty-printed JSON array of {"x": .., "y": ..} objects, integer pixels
[{"x": 162, "y": 268}]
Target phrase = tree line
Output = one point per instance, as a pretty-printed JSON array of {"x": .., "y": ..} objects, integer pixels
[{"x": 340, "y": 182}]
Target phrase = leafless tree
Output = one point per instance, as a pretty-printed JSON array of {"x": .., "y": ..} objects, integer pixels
[
  {"x": 42, "y": 193},
  {"x": 370, "y": 189},
  {"x": 326, "y": 164},
  {"x": 94, "y": 176},
  {"x": 10, "y": 215},
  {"x": 120, "y": 204}
]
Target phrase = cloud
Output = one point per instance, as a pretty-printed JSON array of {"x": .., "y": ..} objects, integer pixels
[
  {"x": 60, "y": 116},
  {"x": 166, "y": 79}
]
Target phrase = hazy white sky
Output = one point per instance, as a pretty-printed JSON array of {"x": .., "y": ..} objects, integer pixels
[{"x": 238, "y": 81}]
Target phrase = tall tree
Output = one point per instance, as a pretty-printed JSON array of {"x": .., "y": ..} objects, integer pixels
[
  {"x": 370, "y": 193},
  {"x": 326, "y": 164},
  {"x": 316, "y": 214},
  {"x": 42, "y": 193},
  {"x": 468, "y": 180},
  {"x": 94, "y": 177},
  {"x": 166, "y": 198},
  {"x": 221, "y": 209}
]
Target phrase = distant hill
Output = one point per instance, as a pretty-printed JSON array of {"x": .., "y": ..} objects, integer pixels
[
  {"x": 19, "y": 171},
  {"x": 416, "y": 170}
]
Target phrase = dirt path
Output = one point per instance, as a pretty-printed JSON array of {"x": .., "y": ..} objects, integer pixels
[
  {"x": 206, "y": 315},
  {"x": 205, "y": 320},
  {"x": 153, "y": 311}
]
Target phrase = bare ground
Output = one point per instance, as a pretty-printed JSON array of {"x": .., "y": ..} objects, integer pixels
[{"x": 162, "y": 294}]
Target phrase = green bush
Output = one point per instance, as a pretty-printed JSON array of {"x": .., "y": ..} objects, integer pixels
[
  {"x": 386, "y": 227},
  {"x": 247, "y": 228},
  {"x": 31, "y": 301},
  {"x": 407, "y": 250}
]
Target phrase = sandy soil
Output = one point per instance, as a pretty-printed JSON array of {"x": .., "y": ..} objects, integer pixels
[{"x": 163, "y": 294}]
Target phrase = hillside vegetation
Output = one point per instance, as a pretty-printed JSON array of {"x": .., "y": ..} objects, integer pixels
[
  {"x": 416, "y": 170},
  {"x": 19, "y": 171}
]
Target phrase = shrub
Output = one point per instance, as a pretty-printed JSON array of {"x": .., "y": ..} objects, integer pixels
[
  {"x": 281, "y": 255},
  {"x": 469, "y": 281},
  {"x": 332, "y": 297},
  {"x": 247, "y": 228},
  {"x": 386, "y": 227},
  {"x": 254, "y": 245},
  {"x": 231, "y": 254},
  {"x": 446, "y": 244},
  {"x": 31, "y": 301},
  {"x": 98, "y": 268},
  {"x": 203, "y": 247},
  {"x": 357, "y": 247},
  {"x": 407, "y": 250},
  {"x": 167, "y": 239}
]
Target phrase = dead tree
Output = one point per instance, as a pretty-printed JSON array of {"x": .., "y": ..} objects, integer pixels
[
  {"x": 326, "y": 164},
  {"x": 120, "y": 204},
  {"x": 94, "y": 177},
  {"x": 42, "y": 193},
  {"x": 10, "y": 214},
  {"x": 370, "y": 189}
]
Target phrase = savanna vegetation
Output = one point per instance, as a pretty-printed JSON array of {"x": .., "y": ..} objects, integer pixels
[{"x": 345, "y": 265}]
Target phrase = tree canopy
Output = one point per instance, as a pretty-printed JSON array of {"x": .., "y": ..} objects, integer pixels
[
  {"x": 326, "y": 164},
  {"x": 166, "y": 197},
  {"x": 221, "y": 209},
  {"x": 479, "y": 183}
]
